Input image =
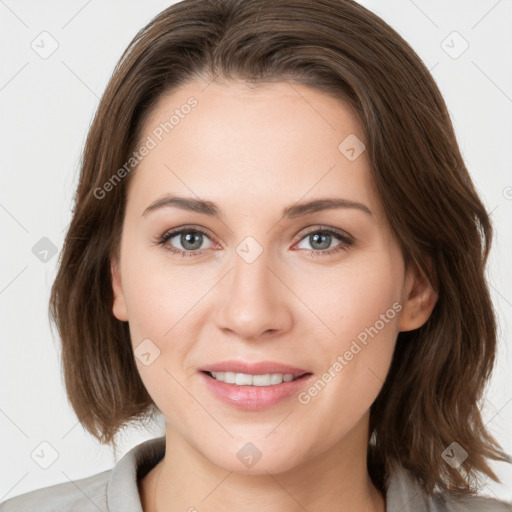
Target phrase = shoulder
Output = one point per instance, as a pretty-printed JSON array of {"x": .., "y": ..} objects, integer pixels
[
  {"x": 85, "y": 495},
  {"x": 443, "y": 503},
  {"x": 114, "y": 490},
  {"x": 403, "y": 494}
]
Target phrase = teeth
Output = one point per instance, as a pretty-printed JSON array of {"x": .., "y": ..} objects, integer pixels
[{"x": 243, "y": 379}]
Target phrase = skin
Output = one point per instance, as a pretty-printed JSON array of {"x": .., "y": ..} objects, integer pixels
[{"x": 253, "y": 152}]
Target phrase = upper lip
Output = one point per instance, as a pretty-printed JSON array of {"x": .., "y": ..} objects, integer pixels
[{"x": 259, "y": 368}]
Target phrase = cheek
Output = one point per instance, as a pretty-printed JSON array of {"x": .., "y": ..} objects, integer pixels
[
  {"x": 158, "y": 295},
  {"x": 163, "y": 303},
  {"x": 161, "y": 335},
  {"x": 367, "y": 304},
  {"x": 361, "y": 309},
  {"x": 355, "y": 296}
]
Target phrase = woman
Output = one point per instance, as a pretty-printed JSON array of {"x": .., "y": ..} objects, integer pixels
[{"x": 232, "y": 138}]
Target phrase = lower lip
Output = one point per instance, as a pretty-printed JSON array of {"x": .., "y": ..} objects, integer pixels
[{"x": 254, "y": 398}]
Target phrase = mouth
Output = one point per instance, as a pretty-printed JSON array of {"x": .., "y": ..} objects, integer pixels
[
  {"x": 255, "y": 391},
  {"x": 261, "y": 380}
]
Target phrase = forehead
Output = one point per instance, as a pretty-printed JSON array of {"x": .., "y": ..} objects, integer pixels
[
  {"x": 239, "y": 104},
  {"x": 229, "y": 141}
]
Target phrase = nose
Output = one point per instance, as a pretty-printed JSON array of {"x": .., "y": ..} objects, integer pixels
[{"x": 254, "y": 300}]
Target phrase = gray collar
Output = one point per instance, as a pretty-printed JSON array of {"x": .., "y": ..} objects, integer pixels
[{"x": 403, "y": 494}]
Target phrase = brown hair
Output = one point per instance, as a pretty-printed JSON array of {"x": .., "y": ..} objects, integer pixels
[{"x": 432, "y": 393}]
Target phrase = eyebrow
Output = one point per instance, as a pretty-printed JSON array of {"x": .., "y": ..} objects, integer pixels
[{"x": 295, "y": 210}]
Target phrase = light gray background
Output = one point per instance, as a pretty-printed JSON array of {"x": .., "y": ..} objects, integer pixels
[{"x": 46, "y": 106}]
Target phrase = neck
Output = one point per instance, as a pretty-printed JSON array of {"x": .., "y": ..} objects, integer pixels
[{"x": 336, "y": 480}]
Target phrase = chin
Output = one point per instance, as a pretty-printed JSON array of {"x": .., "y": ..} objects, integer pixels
[{"x": 258, "y": 458}]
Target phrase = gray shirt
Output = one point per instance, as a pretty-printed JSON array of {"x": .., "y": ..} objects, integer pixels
[{"x": 115, "y": 490}]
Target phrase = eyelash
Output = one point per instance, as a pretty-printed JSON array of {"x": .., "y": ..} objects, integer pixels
[{"x": 345, "y": 241}]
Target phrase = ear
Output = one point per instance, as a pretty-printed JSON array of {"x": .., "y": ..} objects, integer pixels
[
  {"x": 418, "y": 299},
  {"x": 119, "y": 305}
]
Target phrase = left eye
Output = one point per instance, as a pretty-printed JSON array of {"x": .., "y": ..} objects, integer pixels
[{"x": 324, "y": 238}]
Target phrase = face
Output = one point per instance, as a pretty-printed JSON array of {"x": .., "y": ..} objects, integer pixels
[{"x": 322, "y": 290}]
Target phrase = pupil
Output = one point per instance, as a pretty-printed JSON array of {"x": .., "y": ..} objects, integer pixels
[
  {"x": 317, "y": 235},
  {"x": 186, "y": 239}
]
